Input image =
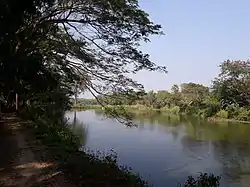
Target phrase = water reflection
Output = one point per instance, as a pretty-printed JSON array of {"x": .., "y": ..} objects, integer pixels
[
  {"x": 198, "y": 128},
  {"x": 168, "y": 148},
  {"x": 78, "y": 128},
  {"x": 235, "y": 160}
]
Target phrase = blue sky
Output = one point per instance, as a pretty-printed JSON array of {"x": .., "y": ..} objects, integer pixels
[{"x": 200, "y": 34}]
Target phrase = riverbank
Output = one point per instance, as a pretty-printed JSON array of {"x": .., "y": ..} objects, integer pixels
[
  {"x": 22, "y": 163},
  {"x": 41, "y": 154},
  {"x": 127, "y": 107},
  {"x": 84, "y": 169},
  {"x": 214, "y": 119},
  {"x": 171, "y": 111},
  {"x": 45, "y": 153}
]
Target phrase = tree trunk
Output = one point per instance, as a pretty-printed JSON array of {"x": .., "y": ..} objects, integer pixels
[
  {"x": 75, "y": 94},
  {"x": 17, "y": 102},
  {"x": 74, "y": 121},
  {"x": 75, "y": 99}
]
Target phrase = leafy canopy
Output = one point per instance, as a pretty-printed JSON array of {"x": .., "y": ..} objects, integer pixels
[
  {"x": 49, "y": 46},
  {"x": 233, "y": 83}
]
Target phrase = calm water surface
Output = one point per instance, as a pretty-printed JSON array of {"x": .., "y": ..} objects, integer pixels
[{"x": 165, "y": 150}]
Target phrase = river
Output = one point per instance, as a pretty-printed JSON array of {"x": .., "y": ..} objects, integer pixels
[{"x": 165, "y": 150}]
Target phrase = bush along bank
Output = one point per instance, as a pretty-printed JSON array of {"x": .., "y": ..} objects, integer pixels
[{"x": 211, "y": 112}]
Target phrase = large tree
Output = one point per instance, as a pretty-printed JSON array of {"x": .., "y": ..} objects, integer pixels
[
  {"x": 49, "y": 45},
  {"x": 103, "y": 39},
  {"x": 232, "y": 86}
]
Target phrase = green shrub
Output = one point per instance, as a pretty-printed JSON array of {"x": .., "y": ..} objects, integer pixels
[
  {"x": 244, "y": 115},
  {"x": 222, "y": 114},
  {"x": 175, "y": 110},
  {"x": 164, "y": 109},
  {"x": 210, "y": 110},
  {"x": 204, "y": 180},
  {"x": 138, "y": 107},
  {"x": 233, "y": 111},
  {"x": 201, "y": 113},
  {"x": 191, "y": 110}
]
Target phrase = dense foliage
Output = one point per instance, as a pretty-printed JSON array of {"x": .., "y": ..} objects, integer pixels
[
  {"x": 51, "y": 49},
  {"x": 228, "y": 97}
]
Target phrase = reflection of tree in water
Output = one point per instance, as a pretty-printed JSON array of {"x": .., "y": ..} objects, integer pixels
[
  {"x": 99, "y": 112},
  {"x": 195, "y": 149},
  {"x": 195, "y": 127},
  {"x": 79, "y": 129},
  {"x": 194, "y": 143},
  {"x": 152, "y": 117},
  {"x": 229, "y": 145},
  {"x": 235, "y": 133},
  {"x": 235, "y": 160}
]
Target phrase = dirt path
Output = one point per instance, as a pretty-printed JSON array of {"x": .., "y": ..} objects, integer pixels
[{"x": 20, "y": 166}]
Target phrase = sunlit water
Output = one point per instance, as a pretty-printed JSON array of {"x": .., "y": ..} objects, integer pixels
[{"x": 165, "y": 150}]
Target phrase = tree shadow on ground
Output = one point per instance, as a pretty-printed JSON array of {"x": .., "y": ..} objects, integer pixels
[{"x": 22, "y": 165}]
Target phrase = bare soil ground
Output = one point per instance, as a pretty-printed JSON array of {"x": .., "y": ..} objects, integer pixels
[{"x": 22, "y": 161}]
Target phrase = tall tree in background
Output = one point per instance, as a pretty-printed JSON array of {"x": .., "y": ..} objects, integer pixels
[
  {"x": 163, "y": 98},
  {"x": 232, "y": 86},
  {"x": 193, "y": 93},
  {"x": 175, "y": 89}
]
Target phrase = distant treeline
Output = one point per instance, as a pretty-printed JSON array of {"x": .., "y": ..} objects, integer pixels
[{"x": 228, "y": 97}]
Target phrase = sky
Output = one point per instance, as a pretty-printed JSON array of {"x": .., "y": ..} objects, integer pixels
[{"x": 199, "y": 35}]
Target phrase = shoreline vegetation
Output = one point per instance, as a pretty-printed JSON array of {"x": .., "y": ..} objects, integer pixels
[
  {"x": 214, "y": 119},
  {"x": 144, "y": 109}
]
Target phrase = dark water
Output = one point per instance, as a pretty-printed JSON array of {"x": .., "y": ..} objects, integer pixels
[{"x": 165, "y": 150}]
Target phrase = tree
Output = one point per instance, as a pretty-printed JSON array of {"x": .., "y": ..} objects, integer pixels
[
  {"x": 103, "y": 39},
  {"x": 22, "y": 65},
  {"x": 48, "y": 45},
  {"x": 232, "y": 86},
  {"x": 163, "y": 98},
  {"x": 175, "y": 89},
  {"x": 149, "y": 98},
  {"x": 193, "y": 93},
  {"x": 79, "y": 87}
]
